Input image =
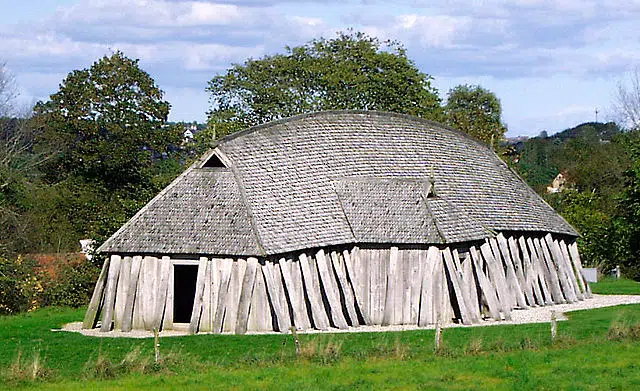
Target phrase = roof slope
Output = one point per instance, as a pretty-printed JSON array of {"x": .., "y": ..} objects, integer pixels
[
  {"x": 201, "y": 212},
  {"x": 340, "y": 177}
]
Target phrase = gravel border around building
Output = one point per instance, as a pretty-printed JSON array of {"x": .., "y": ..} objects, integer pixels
[{"x": 531, "y": 315}]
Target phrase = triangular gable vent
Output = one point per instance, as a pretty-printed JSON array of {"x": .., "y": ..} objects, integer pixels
[{"x": 213, "y": 161}]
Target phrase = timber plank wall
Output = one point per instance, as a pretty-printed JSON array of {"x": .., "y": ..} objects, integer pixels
[{"x": 343, "y": 287}]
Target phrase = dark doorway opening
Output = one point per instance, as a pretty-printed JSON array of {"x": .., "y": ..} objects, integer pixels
[{"x": 184, "y": 292}]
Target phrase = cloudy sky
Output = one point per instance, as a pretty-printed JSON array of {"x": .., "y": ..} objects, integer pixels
[{"x": 552, "y": 63}]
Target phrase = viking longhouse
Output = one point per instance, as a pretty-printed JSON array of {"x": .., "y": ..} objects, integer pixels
[{"x": 337, "y": 220}]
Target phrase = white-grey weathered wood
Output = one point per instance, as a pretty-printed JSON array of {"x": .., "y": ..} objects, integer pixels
[
  {"x": 563, "y": 274},
  {"x": 540, "y": 270},
  {"x": 470, "y": 287},
  {"x": 550, "y": 271},
  {"x": 521, "y": 271},
  {"x": 225, "y": 276},
  {"x": 356, "y": 273},
  {"x": 260, "y": 311},
  {"x": 165, "y": 265},
  {"x": 282, "y": 316},
  {"x": 498, "y": 279},
  {"x": 121, "y": 292},
  {"x": 427, "y": 313},
  {"x": 134, "y": 276},
  {"x": 456, "y": 282},
  {"x": 167, "y": 322},
  {"x": 312, "y": 287},
  {"x": 196, "y": 312},
  {"x": 248, "y": 284},
  {"x": 233, "y": 296},
  {"x": 91, "y": 317},
  {"x": 110, "y": 293},
  {"x": 511, "y": 256},
  {"x": 487, "y": 289},
  {"x": 330, "y": 291},
  {"x": 344, "y": 287},
  {"x": 147, "y": 292},
  {"x": 530, "y": 272},
  {"x": 500, "y": 245},
  {"x": 578, "y": 273},
  {"x": 291, "y": 277},
  {"x": 575, "y": 258},
  {"x": 415, "y": 285},
  {"x": 564, "y": 252},
  {"x": 389, "y": 312}
]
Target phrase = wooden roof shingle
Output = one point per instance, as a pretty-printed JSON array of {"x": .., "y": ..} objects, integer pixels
[{"x": 340, "y": 177}]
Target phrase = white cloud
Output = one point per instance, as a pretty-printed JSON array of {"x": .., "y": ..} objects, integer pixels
[{"x": 183, "y": 43}]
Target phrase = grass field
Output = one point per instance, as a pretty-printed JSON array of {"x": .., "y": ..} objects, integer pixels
[
  {"x": 595, "y": 349},
  {"x": 612, "y": 286}
]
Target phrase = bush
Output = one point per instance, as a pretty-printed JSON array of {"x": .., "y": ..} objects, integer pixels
[
  {"x": 19, "y": 286},
  {"x": 71, "y": 285}
]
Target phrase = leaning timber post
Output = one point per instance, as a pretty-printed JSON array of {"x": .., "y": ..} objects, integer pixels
[
  {"x": 91, "y": 316},
  {"x": 110, "y": 294}
]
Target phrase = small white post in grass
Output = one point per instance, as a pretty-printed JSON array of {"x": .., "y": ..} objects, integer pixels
[
  {"x": 554, "y": 326},
  {"x": 295, "y": 340},
  {"x": 156, "y": 343},
  {"x": 438, "y": 334}
]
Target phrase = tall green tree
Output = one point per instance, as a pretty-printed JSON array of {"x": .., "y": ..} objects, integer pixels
[
  {"x": 351, "y": 71},
  {"x": 109, "y": 121},
  {"x": 476, "y": 111}
]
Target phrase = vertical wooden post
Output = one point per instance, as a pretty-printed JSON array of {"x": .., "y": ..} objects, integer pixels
[
  {"x": 133, "y": 287},
  {"x": 165, "y": 265},
  {"x": 226, "y": 265},
  {"x": 196, "y": 312},
  {"x": 390, "y": 304},
  {"x": 428, "y": 299},
  {"x": 248, "y": 284},
  {"x": 110, "y": 294}
]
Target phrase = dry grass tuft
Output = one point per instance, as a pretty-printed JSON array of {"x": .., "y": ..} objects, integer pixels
[
  {"x": 623, "y": 331},
  {"x": 315, "y": 350},
  {"x": 28, "y": 369},
  {"x": 474, "y": 347}
]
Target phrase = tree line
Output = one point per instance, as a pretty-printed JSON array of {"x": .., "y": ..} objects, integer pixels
[{"x": 82, "y": 162}]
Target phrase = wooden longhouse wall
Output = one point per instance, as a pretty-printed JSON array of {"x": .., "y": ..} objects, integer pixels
[
  {"x": 330, "y": 288},
  {"x": 335, "y": 220}
]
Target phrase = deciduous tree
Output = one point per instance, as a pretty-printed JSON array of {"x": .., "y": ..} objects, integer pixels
[
  {"x": 476, "y": 111},
  {"x": 351, "y": 71},
  {"x": 109, "y": 120}
]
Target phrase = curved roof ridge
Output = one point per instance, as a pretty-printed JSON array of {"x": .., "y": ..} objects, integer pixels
[{"x": 302, "y": 116}]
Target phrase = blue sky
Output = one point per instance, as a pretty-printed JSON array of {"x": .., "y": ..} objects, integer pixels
[{"x": 551, "y": 63}]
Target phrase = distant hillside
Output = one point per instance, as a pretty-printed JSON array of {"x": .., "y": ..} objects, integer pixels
[
  {"x": 604, "y": 132},
  {"x": 579, "y": 152}
]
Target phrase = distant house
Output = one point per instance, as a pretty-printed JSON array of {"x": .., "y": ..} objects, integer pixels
[
  {"x": 336, "y": 220},
  {"x": 189, "y": 131},
  {"x": 558, "y": 185}
]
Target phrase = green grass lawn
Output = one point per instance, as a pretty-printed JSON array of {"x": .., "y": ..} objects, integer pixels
[
  {"x": 492, "y": 357},
  {"x": 612, "y": 286}
]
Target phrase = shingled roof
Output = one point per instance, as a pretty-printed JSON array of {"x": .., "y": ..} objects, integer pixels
[{"x": 334, "y": 178}]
